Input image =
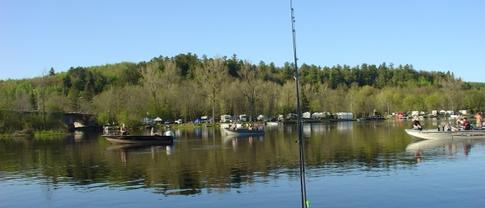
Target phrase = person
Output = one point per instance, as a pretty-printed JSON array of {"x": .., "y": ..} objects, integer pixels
[
  {"x": 106, "y": 130},
  {"x": 123, "y": 131},
  {"x": 417, "y": 125},
  {"x": 482, "y": 120},
  {"x": 153, "y": 132},
  {"x": 479, "y": 119},
  {"x": 447, "y": 126},
  {"x": 459, "y": 121},
  {"x": 466, "y": 124}
]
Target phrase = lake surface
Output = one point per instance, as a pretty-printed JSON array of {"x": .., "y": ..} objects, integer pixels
[{"x": 349, "y": 164}]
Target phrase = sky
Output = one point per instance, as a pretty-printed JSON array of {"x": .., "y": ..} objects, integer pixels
[{"x": 444, "y": 35}]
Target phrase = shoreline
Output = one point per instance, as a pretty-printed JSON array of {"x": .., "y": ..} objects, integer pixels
[{"x": 36, "y": 134}]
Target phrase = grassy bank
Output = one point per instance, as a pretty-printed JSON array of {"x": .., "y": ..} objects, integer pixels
[
  {"x": 16, "y": 134},
  {"x": 36, "y": 134},
  {"x": 188, "y": 126},
  {"x": 49, "y": 134}
]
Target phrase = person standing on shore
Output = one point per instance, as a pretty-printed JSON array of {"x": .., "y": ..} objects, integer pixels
[{"x": 479, "y": 118}]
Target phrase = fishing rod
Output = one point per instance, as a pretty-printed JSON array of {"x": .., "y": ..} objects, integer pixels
[{"x": 301, "y": 142}]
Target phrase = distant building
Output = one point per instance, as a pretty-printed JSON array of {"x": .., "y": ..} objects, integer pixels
[
  {"x": 226, "y": 118},
  {"x": 158, "y": 120},
  {"x": 414, "y": 113},
  {"x": 281, "y": 117},
  {"x": 345, "y": 116},
  {"x": 243, "y": 117},
  {"x": 306, "y": 115},
  {"x": 291, "y": 116},
  {"x": 319, "y": 115}
]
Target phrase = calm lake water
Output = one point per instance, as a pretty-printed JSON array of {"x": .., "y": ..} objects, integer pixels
[{"x": 350, "y": 164}]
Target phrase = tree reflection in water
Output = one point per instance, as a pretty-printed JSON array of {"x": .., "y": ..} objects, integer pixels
[{"x": 205, "y": 160}]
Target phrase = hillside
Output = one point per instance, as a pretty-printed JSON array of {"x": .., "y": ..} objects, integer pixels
[{"x": 187, "y": 86}]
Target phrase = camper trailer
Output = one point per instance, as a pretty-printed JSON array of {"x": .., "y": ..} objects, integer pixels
[
  {"x": 243, "y": 117},
  {"x": 345, "y": 116},
  {"x": 226, "y": 118}
]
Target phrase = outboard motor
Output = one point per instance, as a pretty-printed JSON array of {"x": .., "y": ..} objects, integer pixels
[{"x": 168, "y": 133}]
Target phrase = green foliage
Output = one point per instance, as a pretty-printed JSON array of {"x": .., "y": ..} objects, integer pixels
[
  {"x": 186, "y": 86},
  {"x": 11, "y": 121},
  {"x": 52, "y": 72},
  {"x": 49, "y": 134}
]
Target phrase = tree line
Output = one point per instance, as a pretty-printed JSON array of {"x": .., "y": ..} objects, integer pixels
[{"x": 188, "y": 86}]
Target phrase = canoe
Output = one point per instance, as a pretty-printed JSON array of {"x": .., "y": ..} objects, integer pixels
[
  {"x": 435, "y": 134},
  {"x": 242, "y": 132},
  {"x": 142, "y": 140}
]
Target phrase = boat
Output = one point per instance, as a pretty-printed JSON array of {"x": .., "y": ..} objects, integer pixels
[
  {"x": 243, "y": 132},
  {"x": 78, "y": 125},
  {"x": 140, "y": 139},
  {"x": 118, "y": 135},
  {"x": 435, "y": 134},
  {"x": 272, "y": 123},
  {"x": 228, "y": 125}
]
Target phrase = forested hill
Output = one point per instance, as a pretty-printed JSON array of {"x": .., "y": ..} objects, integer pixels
[{"x": 188, "y": 86}]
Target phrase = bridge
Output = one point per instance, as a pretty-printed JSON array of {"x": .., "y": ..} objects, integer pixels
[{"x": 68, "y": 118}]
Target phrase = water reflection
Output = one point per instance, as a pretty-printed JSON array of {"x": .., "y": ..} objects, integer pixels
[
  {"x": 443, "y": 147},
  {"x": 346, "y": 126},
  {"x": 126, "y": 149},
  {"x": 202, "y": 159},
  {"x": 235, "y": 141}
]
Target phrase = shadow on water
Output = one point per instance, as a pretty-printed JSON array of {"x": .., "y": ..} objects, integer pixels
[{"x": 201, "y": 159}]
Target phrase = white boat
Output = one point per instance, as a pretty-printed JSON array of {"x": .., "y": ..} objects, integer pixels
[
  {"x": 243, "y": 132},
  {"x": 435, "y": 134},
  {"x": 228, "y": 125},
  {"x": 272, "y": 123},
  {"x": 78, "y": 125}
]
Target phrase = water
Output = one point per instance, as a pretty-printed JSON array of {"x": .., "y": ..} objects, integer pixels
[{"x": 359, "y": 164}]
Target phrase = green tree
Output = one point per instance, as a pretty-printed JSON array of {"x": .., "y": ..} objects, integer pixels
[
  {"x": 52, "y": 72},
  {"x": 211, "y": 77}
]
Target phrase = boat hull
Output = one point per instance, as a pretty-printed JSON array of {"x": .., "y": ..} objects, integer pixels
[
  {"x": 143, "y": 140},
  {"x": 227, "y": 125},
  {"x": 435, "y": 134},
  {"x": 243, "y": 132},
  {"x": 272, "y": 123}
]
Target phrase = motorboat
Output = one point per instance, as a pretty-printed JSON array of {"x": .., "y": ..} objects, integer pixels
[
  {"x": 272, "y": 123},
  {"x": 435, "y": 134},
  {"x": 140, "y": 139},
  {"x": 229, "y": 125},
  {"x": 243, "y": 131},
  {"x": 117, "y": 135}
]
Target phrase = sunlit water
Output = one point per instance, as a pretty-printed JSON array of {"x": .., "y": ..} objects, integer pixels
[{"x": 350, "y": 164}]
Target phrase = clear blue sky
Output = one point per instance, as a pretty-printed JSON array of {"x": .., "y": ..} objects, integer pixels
[{"x": 430, "y": 34}]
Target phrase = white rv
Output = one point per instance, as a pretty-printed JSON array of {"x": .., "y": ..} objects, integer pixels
[{"x": 226, "y": 118}]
